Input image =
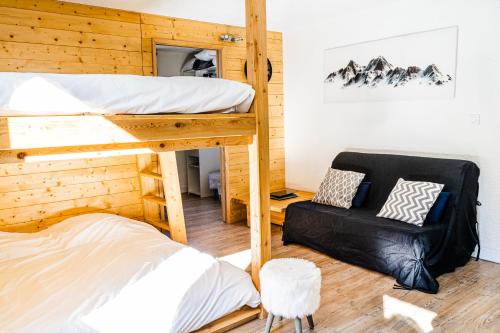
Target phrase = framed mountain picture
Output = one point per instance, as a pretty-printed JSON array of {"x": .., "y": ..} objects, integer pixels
[{"x": 414, "y": 66}]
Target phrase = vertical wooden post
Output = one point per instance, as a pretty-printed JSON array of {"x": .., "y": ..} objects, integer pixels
[
  {"x": 260, "y": 223},
  {"x": 173, "y": 198}
]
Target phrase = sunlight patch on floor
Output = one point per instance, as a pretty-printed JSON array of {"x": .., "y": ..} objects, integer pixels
[{"x": 418, "y": 317}]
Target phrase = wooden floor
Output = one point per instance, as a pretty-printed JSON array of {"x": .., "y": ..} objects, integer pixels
[{"x": 357, "y": 300}]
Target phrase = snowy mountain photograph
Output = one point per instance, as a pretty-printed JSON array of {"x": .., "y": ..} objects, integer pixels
[{"x": 414, "y": 66}]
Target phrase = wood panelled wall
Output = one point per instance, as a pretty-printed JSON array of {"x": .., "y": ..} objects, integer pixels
[
  {"x": 61, "y": 37},
  {"x": 58, "y": 37},
  {"x": 35, "y": 195}
]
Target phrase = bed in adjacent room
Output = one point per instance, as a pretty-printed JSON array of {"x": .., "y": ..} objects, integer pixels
[{"x": 105, "y": 273}]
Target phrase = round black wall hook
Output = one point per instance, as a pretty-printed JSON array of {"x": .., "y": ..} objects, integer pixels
[{"x": 269, "y": 70}]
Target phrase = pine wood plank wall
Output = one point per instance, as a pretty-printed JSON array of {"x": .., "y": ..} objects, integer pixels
[
  {"x": 33, "y": 196},
  {"x": 61, "y": 37},
  {"x": 52, "y": 36}
]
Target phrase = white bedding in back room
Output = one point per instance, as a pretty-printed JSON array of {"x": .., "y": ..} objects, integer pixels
[
  {"x": 23, "y": 94},
  {"x": 104, "y": 273}
]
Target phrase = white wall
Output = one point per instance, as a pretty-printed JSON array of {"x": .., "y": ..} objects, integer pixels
[
  {"x": 315, "y": 132},
  {"x": 170, "y": 62},
  {"x": 209, "y": 161},
  {"x": 182, "y": 170},
  {"x": 216, "y": 11}
]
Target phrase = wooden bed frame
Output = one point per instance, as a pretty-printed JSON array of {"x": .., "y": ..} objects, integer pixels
[{"x": 30, "y": 139}]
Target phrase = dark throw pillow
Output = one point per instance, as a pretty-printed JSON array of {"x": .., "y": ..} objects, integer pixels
[
  {"x": 436, "y": 213},
  {"x": 361, "y": 194}
]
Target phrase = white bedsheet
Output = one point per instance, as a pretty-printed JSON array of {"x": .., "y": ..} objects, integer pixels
[
  {"x": 23, "y": 94},
  {"x": 104, "y": 273}
]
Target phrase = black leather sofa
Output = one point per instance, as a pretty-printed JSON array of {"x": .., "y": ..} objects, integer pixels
[{"x": 414, "y": 255}]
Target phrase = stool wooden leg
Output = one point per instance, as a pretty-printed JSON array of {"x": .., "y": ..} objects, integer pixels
[
  {"x": 269, "y": 324},
  {"x": 298, "y": 325},
  {"x": 310, "y": 321}
]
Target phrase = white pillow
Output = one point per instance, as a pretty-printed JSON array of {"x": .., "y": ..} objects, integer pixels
[
  {"x": 188, "y": 65},
  {"x": 206, "y": 55},
  {"x": 338, "y": 188},
  {"x": 410, "y": 201}
]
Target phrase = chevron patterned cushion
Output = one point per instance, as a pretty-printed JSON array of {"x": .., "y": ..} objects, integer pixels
[
  {"x": 338, "y": 188},
  {"x": 410, "y": 201}
]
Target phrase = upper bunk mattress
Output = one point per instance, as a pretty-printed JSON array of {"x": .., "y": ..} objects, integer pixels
[{"x": 36, "y": 94}]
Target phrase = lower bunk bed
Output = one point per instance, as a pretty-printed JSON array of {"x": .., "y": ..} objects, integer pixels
[{"x": 105, "y": 273}]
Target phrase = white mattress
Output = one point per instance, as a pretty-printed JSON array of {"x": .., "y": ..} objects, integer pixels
[
  {"x": 23, "y": 94},
  {"x": 104, "y": 273}
]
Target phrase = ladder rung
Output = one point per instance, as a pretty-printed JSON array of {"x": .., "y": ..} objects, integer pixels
[
  {"x": 155, "y": 199},
  {"x": 150, "y": 174},
  {"x": 159, "y": 224}
]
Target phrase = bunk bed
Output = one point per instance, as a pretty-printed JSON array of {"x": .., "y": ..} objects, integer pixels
[{"x": 31, "y": 138}]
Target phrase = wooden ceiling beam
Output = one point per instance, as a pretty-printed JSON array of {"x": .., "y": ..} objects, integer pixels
[
  {"x": 69, "y": 131},
  {"x": 27, "y": 155}
]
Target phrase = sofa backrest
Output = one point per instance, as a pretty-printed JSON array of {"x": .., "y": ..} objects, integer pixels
[{"x": 383, "y": 170}]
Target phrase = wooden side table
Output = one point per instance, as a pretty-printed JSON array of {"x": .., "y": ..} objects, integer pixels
[{"x": 278, "y": 207}]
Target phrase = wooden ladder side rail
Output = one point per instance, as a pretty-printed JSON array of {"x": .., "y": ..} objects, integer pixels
[
  {"x": 259, "y": 165},
  {"x": 173, "y": 198}
]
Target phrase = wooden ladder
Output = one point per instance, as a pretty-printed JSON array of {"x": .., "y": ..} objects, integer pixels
[{"x": 160, "y": 189}]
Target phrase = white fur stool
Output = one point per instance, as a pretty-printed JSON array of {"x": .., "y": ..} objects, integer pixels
[{"x": 290, "y": 288}]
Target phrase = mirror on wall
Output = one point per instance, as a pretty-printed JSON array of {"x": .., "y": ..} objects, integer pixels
[{"x": 186, "y": 61}]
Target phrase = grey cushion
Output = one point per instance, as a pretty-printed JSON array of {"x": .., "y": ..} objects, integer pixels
[{"x": 410, "y": 201}]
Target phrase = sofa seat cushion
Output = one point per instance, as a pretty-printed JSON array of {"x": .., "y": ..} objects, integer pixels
[{"x": 358, "y": 237}]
